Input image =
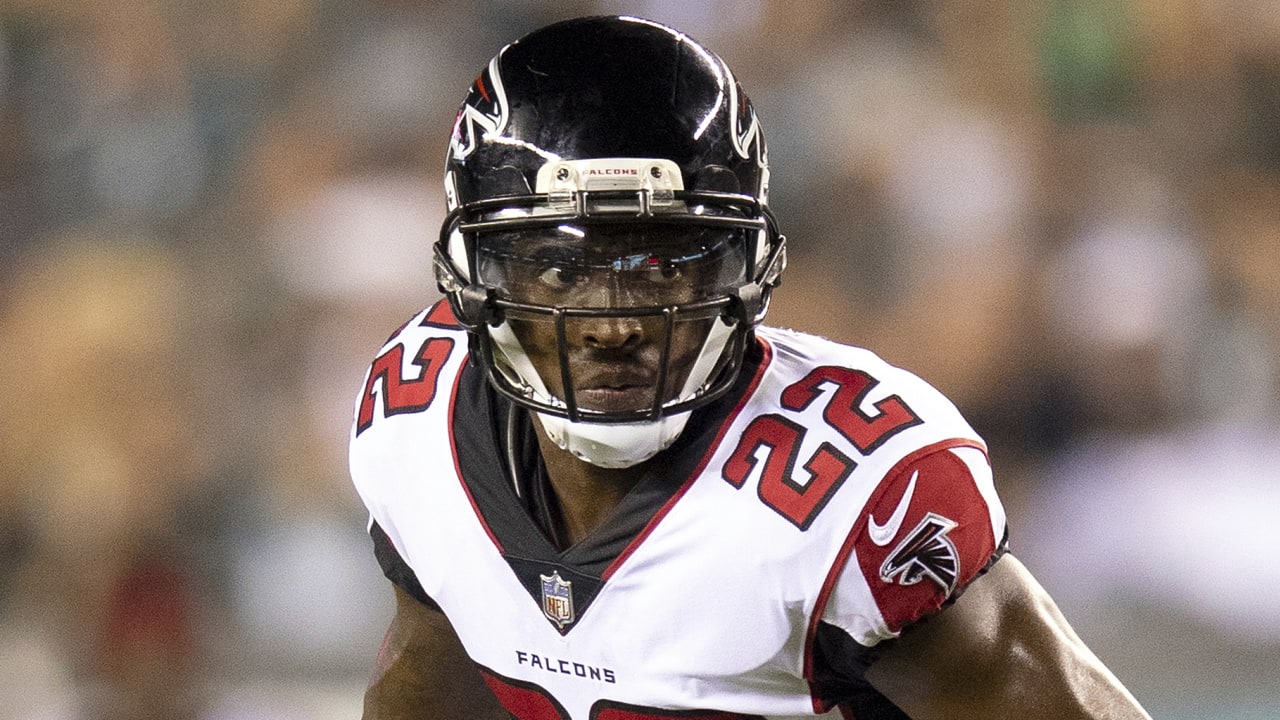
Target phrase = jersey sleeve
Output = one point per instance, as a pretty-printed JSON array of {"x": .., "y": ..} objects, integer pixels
[
  {"x": 394, "y": 566},
  {"x": 931, "y": 526},
  {"x": 397, "y": 389},
  {"x": 928, "y": 529}
]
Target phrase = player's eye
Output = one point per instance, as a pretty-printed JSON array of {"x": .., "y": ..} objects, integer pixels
[
  {"x": 559, "y": 277},
  {"x": 664, "y": 272}
]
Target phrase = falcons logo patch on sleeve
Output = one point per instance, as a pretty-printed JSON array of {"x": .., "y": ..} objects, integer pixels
[
  {"x": 926, "y": 532},
  {"x": 926, "y": 552}
]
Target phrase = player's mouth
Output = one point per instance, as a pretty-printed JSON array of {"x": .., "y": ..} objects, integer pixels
[{"x": 616, "y": 392}]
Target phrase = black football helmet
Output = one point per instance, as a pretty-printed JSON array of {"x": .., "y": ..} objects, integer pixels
[{"x": 608, "y": 170}]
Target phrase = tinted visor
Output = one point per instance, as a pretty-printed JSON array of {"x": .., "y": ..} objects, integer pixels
[{"x": 613, "y": 265}]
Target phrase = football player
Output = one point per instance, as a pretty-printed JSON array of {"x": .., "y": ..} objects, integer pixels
[{"x": 604, "y": 490}]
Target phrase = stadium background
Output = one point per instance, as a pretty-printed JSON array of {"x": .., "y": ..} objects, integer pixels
[{"x": 1064, "y": 213}]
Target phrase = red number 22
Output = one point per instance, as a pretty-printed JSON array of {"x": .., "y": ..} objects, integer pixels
[{"x": 828, "y": 467}]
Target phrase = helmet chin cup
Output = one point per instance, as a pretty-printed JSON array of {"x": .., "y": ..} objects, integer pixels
[{"x": 614, "y": 446}]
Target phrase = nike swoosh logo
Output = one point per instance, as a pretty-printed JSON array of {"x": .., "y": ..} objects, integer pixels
[{"x": 882, "y": 535}]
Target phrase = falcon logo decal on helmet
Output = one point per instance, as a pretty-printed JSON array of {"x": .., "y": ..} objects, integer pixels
[
  {"x": 746, "y": 127},
  {"x": 926, "y": 552},
  {"x": 483, "y": 113}
]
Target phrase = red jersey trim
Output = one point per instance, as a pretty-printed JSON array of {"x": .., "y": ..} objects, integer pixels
[{"x": 765, "y": 361}]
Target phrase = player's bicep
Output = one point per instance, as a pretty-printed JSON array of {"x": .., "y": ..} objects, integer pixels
[
  {"x": 422, "y": 670},
  {"x": 1002, "y": 649}
]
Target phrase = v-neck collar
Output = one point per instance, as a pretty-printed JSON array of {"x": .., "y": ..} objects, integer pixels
[{"x": 478, "y": 432}]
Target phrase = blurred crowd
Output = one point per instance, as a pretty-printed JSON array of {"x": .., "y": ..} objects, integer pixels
[{"x": 1064, "y": 213}]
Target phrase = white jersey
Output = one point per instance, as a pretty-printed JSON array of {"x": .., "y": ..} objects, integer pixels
[{"x": 826, "y": 503}]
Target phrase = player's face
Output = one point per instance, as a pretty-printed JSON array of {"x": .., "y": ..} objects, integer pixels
[{"x": 614, "y": 360}]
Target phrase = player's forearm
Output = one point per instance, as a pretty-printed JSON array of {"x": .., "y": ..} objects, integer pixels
[
  {"x": 1073, "y": 682},
  {"x": 398, "y": 690},
  {"x": 386, "y": 699},
  {"x": 1004, "y": 650},
  {"x": 405, "y": 688},
  {"x": 422, "y": 671}
]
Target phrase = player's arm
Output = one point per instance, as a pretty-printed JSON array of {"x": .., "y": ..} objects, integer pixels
[
  {"x": 1002, "y": 650},
  {"x": 422, "y": 671}
]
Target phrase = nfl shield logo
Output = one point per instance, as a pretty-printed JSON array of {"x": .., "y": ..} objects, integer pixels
[{"x": 557, "y": 599}]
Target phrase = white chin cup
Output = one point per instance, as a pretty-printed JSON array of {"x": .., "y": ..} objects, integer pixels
[
  {"x": 607, "y": 445},
  {"x": 616, "y": 445}
]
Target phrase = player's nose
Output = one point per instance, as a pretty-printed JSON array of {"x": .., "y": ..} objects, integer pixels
[{"x": 610, "y": 332}]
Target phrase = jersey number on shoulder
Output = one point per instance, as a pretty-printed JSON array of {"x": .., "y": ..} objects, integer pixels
[
  {"x": 401, "y": 395},
  {"x": 828, "y": 467}
]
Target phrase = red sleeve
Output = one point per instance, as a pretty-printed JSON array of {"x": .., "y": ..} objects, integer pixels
[
  {"x": 931, "y": 527},
  {"x": 925, "y": 533}
]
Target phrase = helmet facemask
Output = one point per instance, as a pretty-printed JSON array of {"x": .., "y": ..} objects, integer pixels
[
  {"x": 621, "y": 323},
  {"x": 606, "y": 308}
]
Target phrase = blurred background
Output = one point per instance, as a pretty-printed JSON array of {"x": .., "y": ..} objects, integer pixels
[{"x": 1064, "y": 213}]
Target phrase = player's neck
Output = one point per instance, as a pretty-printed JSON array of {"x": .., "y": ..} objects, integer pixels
[{"x": 587, "y": 494}]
